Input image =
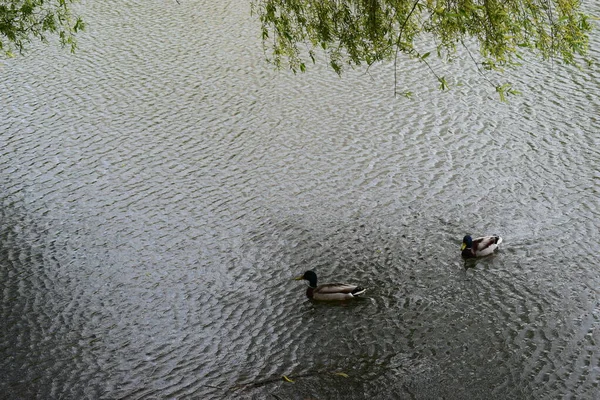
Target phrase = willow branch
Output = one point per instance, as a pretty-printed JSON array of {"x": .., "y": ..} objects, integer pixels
[{"x": 398, "y": 46}]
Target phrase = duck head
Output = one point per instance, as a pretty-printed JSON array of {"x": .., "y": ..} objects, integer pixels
[
  {"x": 309, "y": 276},
  {"x": 467, "y": 243}
]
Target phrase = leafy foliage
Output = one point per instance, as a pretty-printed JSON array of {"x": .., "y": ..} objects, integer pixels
[
  {"x": 353, "y": 32},
  {"x": 23, "y": 20}
]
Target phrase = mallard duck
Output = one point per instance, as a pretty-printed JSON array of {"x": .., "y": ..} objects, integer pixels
[
  {"x": 329, "y": 291},
  {"x": 479, "y": 247}
]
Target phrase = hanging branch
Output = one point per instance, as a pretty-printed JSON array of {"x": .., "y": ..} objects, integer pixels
[{"x": 398, "y": 46}]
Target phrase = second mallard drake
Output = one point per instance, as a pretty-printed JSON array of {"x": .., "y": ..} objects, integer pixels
[
  {"x": 329, "y": 291},
  {"x": 479, "y": 247}
]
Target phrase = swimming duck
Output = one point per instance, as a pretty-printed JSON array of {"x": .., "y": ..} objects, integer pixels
[
  {"x": 479, "y": 247},
  {"x": 329, "y": 291}
]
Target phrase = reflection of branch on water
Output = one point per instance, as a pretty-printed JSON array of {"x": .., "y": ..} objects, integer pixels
[{"x": 285, "y": 378}]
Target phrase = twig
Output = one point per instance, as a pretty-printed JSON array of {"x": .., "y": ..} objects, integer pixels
[
  {"x": 285, "y": 378},
  {"x": 212, "y": 386},
  {"x": 476, "y": 64}
]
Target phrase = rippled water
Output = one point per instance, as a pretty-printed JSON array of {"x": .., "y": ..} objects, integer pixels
[{"x": 161, "y": 187}]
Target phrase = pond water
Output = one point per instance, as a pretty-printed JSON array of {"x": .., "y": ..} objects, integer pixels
[{"x": 161, "y": 188}]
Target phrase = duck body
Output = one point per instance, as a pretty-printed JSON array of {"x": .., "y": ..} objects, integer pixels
[
  {"x": 479, "y": 247},
  {"x": 329, "y": 291}
]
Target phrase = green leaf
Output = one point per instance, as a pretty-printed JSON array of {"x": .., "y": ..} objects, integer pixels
[
  {"x": 443, "y": 83},
  {"x": 505, "y": 90}
]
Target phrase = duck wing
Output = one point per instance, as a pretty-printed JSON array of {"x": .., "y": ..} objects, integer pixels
[
  {"x": 486, "y": 245},
  {"x": 336, "y": 291},
  {"x": 337, "y": 288}
]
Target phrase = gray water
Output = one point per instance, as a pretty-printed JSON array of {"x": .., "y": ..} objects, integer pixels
[{"x": 162, "y": 186}]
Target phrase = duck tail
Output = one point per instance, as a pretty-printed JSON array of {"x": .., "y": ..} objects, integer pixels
[
  {"x": 498, "y": 239},
  {"x": 358, "y": 291}
]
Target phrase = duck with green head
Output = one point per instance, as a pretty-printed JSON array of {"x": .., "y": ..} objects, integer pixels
[
  {"x": 329, "y": 291},
  {"x": 479, "y": 247}
]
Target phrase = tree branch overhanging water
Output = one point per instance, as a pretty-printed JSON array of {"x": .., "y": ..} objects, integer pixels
[{"x": 352, "y": 32}]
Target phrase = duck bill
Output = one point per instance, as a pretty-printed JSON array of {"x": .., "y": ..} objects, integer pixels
[
  {"x": 298, "y": 278},
  {"x": 463, "y": 246}
]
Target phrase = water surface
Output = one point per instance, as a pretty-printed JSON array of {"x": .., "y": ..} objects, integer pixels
[{"x": 161, "y": 187}]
